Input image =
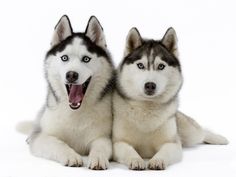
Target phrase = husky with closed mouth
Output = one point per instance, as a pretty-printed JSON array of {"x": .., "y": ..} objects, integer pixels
[
  {"x": 146, "y": 121},
  {"x": 77, "y": 118}
]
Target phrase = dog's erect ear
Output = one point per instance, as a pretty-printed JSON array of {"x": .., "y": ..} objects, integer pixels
[
  {"x": 170, "y": 41},
  {"x": 62, "y": 30},
  {"x": 133, "y": 41},
  {"x": 94, "y": 32}
]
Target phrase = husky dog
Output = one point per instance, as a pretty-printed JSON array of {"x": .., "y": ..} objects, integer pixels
[
  {"x": 77, "y": 118},
  {"x": 145, "y": 102}
]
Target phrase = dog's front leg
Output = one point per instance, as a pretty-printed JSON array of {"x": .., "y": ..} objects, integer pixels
[
  {"x": 126, "y": 154},
  {"x": 100, "y": 151},
  {"x": 168, "y": 154},
  {"x": 52, "y": 148}
]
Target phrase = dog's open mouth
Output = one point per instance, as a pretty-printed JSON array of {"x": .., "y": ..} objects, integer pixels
[{"x": 76, "y": 93}]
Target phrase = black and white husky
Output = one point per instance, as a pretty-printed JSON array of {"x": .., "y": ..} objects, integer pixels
[
  {"x": 77, "y": 118},
  {"x": 145, "y": 102}
]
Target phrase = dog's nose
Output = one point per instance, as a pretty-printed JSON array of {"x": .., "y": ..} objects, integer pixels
[
  {"x": 72, "y": 76},
  {"x": 150, "y": 88}
]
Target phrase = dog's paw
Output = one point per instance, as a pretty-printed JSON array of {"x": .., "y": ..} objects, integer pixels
[
  {"x": 98, "y": 163},
  {"x": 136, "y": 164},
  {"x": 156, "y": 164},
  {"x": 71, "y": 159}
]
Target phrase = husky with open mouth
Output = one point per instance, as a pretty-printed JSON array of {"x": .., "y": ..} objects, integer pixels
[
  {"x": 77, "y": 118},
  {"x": 146, "y": 121}
]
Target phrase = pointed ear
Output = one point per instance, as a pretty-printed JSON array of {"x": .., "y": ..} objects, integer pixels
[
  {"x": 133, "y": 41},
  {"x": 62, "y": 30},
  {"x": 170, "y": 41},
  {"x": 94, "y": 32}
]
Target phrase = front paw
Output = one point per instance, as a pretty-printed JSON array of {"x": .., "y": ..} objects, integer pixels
[
  {"x": 70, "y": 159},
  {"x": 98, "y": 163},
  {"x": 156, "y": 164},
  {"x": 136, "y": 164}
]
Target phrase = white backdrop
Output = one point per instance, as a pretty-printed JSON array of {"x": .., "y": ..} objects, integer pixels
[{"x": 206, "y": 31}]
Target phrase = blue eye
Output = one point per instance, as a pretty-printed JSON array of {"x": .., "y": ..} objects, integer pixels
[
  {"x": 161, "y": 66},
  {"x": 86, "y": 59},
  {"x": 64, "y": 58},
  {"x": 140, "y": 66}
]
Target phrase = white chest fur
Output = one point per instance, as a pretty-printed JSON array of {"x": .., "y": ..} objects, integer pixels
[
  {"x": 144, "y": 126},
  {"x": 78, "y": 127}
]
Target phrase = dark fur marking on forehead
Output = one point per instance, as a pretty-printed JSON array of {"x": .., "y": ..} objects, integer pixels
[
  {"x": 165, "y": 55},
  {"x": 158, "y": 50},
  {"x": 91, "y": 47},
  {"x": 138, "y": 53}
]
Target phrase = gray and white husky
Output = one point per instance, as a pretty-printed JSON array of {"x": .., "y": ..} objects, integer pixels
[
  {"x": 77, "y": 118},
  {"x": 145, "y": 102}
]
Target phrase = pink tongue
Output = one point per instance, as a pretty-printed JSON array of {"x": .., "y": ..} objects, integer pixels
[{"x": 76, "y": 94}]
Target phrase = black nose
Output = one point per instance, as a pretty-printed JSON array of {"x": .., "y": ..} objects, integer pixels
[
  {"x": 150, "y": 88},
  {"x": 72, "y": 76}
]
